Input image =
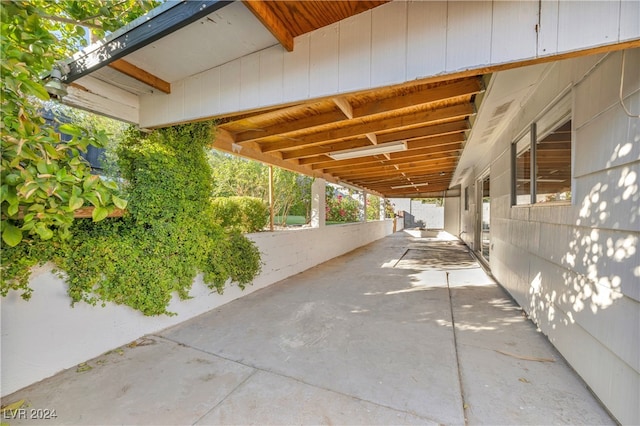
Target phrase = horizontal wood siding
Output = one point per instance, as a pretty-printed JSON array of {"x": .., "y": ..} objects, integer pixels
[{"x": 394, "y": 43}]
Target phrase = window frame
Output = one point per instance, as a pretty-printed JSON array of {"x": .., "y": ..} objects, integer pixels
[
  {"x": 552, "y": 118},
  {"x": 466, "y": 198}
]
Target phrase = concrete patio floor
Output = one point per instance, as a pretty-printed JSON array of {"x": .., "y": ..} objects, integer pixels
[{"x": 407, "y": 330}]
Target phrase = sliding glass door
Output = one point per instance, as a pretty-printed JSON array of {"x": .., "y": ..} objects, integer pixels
[{"x": 484, "y": 217}]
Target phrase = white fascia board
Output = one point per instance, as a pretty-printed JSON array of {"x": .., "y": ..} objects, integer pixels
[{"x": 114, "y": 103}]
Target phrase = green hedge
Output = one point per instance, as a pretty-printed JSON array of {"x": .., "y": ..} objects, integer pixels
[
  {"x": 244, "y": 214},
  {"x": 168, "y": 235}
]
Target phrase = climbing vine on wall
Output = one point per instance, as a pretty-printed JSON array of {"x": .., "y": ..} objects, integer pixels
[{"x": 168, "y": 236}]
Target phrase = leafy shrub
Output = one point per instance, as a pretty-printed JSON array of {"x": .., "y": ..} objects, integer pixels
[
  {"x": 340, "y": 208},
  {"x": 168, "y": 236},
  {"x": 243, "y": 214}
]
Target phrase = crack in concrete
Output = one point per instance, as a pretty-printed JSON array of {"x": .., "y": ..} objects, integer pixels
[
  {"x": 227, "y": 396},
  {"x": 256, "y": 369},
  {"x": 455, "y": 345}
]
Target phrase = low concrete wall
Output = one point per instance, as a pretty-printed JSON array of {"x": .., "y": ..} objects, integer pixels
[{"x": 45, "y": 335}]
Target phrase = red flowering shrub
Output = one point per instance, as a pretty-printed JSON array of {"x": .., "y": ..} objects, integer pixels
[{"x": 340, "y": 208}]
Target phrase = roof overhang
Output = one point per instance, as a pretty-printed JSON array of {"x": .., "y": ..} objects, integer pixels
[{"x": 437, "y": 117}]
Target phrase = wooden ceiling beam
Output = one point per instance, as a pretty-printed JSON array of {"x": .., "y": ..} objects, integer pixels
[
  {"x": 320, "y": 163},
  {"x": 447, "y": 114},
  {"x": 390, "y": 171},
  {"x": 331, "y": 168},
  {"x": 433, "y": 143},
  {"x": 344, "y": 106},
  {"x": 419, "y": 175},
  {"x": 445, "y": 143},
  {"x": 417, "y": 182},
  {"x": 325, "y": 149},
  {"x": 426, "y": 95},
  {"x": 270, "y": 20},
  {"x": 416, "y": 192},
  {"x": 141, "y": 75},
  {"x": 424, "y": 132},
  {"x": 413, "y": 192},
  {"x": 428, "y": 152},
  {"x": 316, "y": 120},
  {"x": 224, "y": 142},
  {"x": 346, "y": 111},
  {"x": 396, "y": 180},
  {"x": 324, "y": 159}
]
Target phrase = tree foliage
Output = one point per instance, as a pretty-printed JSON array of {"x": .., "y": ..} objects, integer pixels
[
  {"x": 244, "y": 214},
  {"x": 234, "y": 176},
  {"x": 373, "y": 208},
  {"x": 44, "y": 180}
]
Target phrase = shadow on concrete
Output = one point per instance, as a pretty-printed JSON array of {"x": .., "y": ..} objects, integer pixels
[{"x": 407, "y": 330}]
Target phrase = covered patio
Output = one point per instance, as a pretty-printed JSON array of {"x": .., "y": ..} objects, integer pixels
[
  {"x": 407, "y": 99},
  {"x": 406, "y": 330}
]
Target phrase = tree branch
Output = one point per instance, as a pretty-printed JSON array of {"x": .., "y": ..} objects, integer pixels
[{"x": 71, "y": 21}]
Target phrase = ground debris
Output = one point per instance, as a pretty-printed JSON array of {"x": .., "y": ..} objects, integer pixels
[
  {"x": 83, "y": 367},
  {"x": 526, "y": 358},
  {"x": 12, "y": 407},
  {"x": 145, "y": 341}
]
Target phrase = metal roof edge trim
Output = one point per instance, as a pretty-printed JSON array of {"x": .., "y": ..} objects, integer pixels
[{"x": 157, "y": 23}]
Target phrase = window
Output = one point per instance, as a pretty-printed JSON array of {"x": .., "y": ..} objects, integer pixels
[
  {"x": 553, "y": 168},
  {"x": 522, "y": 166},
  {"x": 541, "y": 159},
  {"x": 466, "y": 199},
  {"x": 485, "y": 216}
]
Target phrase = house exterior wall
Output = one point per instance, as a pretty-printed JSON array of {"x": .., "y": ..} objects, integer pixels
[
  {"x": 395, "y": 43},
  {"x": 452, "y": 215},
  {"x": 575, "y": 267},
  {"x": 46, "y": 335}
]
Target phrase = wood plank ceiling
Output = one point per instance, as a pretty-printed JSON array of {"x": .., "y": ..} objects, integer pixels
[
  {"x": 288, "y": 19},
  {"x": 430, "y": 120}
]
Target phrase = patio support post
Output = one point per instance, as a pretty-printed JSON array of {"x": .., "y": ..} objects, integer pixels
[
  {"x": 318, "y": 203},
  {"x": 271, "y": 198},
  {"x": 363, "y": 209},
  {"x": 382, "y": 208}
]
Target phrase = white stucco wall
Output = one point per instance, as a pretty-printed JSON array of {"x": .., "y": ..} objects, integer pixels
[
  {"x": 45, "y": 335},
  {"x": 575, "y": 268},
  {"x": 431, "y": 215}
]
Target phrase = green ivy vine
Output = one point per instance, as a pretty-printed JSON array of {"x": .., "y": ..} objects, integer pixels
[{"x": 169, "y": 234}]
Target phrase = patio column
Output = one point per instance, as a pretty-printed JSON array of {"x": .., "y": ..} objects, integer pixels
[
  {"x": 381, "y": 208},
  {"x": 318, "y": 203},
  {"x": 363, "y": 209}
]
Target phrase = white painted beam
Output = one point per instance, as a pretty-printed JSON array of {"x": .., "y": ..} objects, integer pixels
[{"x": 97, "y": 96}]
